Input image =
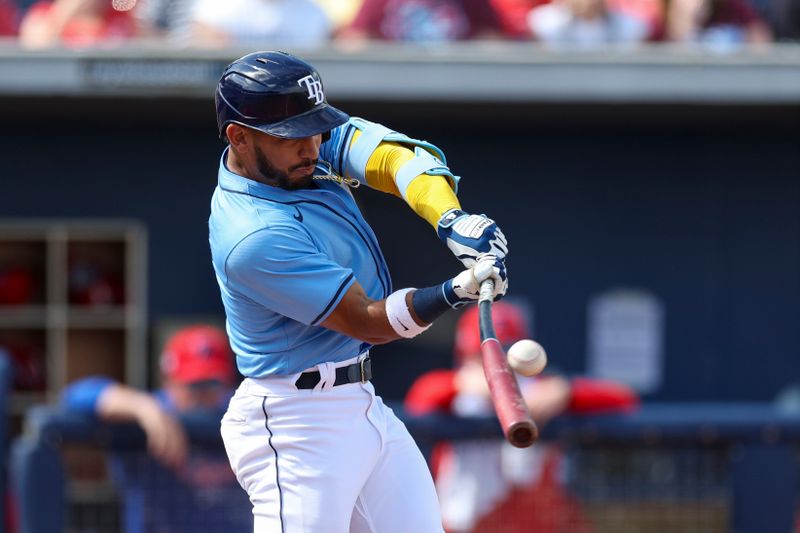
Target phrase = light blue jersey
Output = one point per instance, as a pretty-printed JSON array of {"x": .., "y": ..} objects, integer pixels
[{"x": 284, "y": 260}]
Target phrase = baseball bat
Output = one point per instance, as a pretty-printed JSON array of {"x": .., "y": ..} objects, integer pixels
[{"x": 518, "y": 426}]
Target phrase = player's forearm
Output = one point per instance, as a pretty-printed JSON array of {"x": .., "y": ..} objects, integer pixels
[
  {"x": 362, "y": 318},
  {"x": 372, "y": 321},
  {"x": 393, "y": 318},
  {"x": 118, "y": 403},
  {"x": 408, "y": 312},
  {"x": 429, "y": 195}
]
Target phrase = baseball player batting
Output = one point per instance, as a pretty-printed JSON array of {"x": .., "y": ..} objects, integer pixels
[{"x": 307, "y": 293}]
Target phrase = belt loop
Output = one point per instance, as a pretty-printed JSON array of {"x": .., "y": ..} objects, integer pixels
[{"x": 363, "y": 368}]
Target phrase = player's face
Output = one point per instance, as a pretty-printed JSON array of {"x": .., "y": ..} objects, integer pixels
[
  {"x": 204, "y": 395},
  {"x": 286, "y": 163},
  {"x": 586, "y": 9}
]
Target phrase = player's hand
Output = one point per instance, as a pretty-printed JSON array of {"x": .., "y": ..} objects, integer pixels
[
  {"x": 465, "y": 287},
  {"x": 468, "y": 236},
  {"x": 166, "y": 438}
]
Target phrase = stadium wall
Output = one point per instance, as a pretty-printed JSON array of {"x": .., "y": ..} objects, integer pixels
[{"x": 662, "y": 170}]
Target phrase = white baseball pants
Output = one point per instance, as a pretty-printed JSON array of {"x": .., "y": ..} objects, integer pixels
[{"x": 328, "y": 460}]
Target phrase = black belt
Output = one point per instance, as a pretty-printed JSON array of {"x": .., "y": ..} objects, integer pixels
[{"x": 360, "y": 372}]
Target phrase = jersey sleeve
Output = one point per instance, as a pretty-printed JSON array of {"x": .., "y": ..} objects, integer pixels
[
  {"x": 595, "y": 396},
  {"x": 282, "y": 269},
  {"x": 433, "y": 391},
  {"x": 82, "y": 395}
]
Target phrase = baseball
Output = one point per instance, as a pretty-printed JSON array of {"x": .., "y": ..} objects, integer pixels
[{"x": 527, "y": 357}]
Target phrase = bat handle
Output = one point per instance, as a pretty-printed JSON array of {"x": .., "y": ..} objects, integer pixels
[{"x": 487, "y": 291}]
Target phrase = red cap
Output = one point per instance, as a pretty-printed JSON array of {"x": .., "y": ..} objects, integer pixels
[
  {"x": 510, "y": 325},
  {"x": 198, "y": 353}
]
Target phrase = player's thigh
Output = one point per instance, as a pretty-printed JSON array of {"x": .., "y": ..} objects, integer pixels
[
  {"x": 399, "y": 495},
  {"x": 302, "y": 461}
]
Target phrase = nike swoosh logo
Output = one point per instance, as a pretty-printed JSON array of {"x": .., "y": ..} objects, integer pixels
[
  {"x": 298, "y": 216},
  {"x": 404, "y": 326}
]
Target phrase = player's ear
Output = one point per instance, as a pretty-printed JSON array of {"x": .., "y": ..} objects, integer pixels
[{"x": 237, "y": 136}]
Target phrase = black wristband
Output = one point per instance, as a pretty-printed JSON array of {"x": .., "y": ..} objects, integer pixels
[{"x": 430, "y": 303}]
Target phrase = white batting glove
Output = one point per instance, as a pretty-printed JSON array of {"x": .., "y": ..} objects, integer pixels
[
  {"x": 468, "y": 236},
  {"x": 465, "y": 287}
]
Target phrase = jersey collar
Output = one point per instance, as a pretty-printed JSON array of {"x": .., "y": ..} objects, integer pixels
[{"x": 231, "y": 181}]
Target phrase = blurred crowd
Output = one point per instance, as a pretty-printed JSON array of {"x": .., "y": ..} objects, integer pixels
[{"x": 312, "y": 23}]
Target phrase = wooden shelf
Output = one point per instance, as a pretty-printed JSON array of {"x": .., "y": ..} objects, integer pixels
[
  {"x": 97, "y": 317},
  {"x": 23, "y": 316},
  {"x": 77, "y": 302}
]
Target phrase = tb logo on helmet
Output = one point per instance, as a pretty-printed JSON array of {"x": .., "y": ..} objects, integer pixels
[{"x": 314, "y": 88}]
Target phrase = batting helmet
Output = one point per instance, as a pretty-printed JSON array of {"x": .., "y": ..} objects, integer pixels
[
  {"x": 510, "y": 325},
  {"x": 276, "y": 93}
]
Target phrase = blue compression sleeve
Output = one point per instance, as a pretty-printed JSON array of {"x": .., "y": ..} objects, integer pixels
[
  {"x": 83, "y": 394},
  {"x": 431, "y": 302}
]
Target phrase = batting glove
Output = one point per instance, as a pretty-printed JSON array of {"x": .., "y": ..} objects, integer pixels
[
  {"x": 465, "y": 287},
  {"x": 468, "y": 236}
]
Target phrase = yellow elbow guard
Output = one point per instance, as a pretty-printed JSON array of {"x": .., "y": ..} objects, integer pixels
[{"x": 428, "y": 158}]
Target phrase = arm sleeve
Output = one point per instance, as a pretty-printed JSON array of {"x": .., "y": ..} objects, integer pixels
[
  {"x": 428, "y": 195},
  {"x": 431, "y": 392},
  {"x": 281, "y": 268},
  {"x": 595, "y": 396},
  {"x": 82, "y": 395}
]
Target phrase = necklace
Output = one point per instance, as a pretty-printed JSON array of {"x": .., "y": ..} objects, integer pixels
[{"x": 330, "y": 175}]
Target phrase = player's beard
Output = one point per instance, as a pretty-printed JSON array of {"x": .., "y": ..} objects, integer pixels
[{"x": 279, "y": 178}]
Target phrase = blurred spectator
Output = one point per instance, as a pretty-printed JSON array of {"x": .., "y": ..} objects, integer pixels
[
  {"x": 425, "y": 20},
  {"x": 785, "y": 19},
  {"x": 590, "y": 23},
  {"x": 513, "y": 15},
  {"x": 75, "y": 23},
  {"x": 9, "y": 18},
  {"x": 487, "y": 486},
  {"x": 719, "y": 23},
  {"x": 651, "y": 12},
  {"x": 169, "y": 19},
  {"x": 256, "y": 22},
  {"x": 197, "y": 491},
  {"x": 340, "y": 12},
  {"x": 517, "y": 19}
]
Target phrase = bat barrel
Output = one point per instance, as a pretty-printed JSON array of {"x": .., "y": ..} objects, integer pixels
[
  {"x": 518, "y": 426},
  {"x": 522, "y": 434}
]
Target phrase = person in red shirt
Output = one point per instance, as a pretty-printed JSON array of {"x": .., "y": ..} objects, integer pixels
[
  {"x": 488, "y": 486},
  {"x": 9, "y": 18},
  {"x": 517, "y": 17},
  {"x": 76, "y": 23},
  {"x": 424, "y": 21}
]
